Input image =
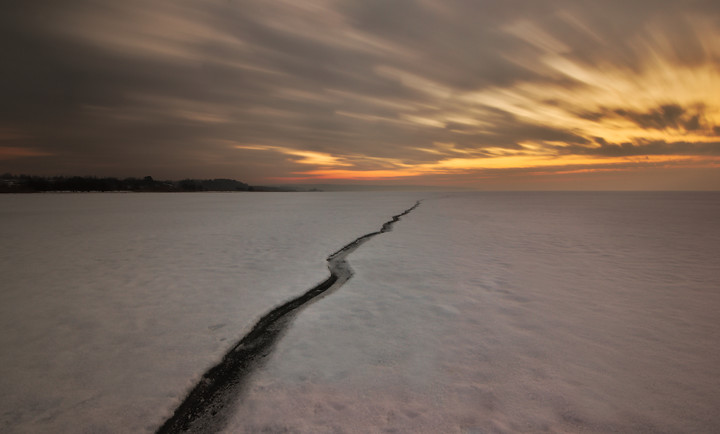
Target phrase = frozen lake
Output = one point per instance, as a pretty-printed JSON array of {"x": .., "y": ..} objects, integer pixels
[{"x": 479, "y": 312}]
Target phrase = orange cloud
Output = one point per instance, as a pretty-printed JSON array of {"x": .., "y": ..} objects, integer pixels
[
  {"x": 356, "y": 174},
  {"x": 529, "y": 164},
  {"x": 12, "y": 152},
  {"x": 305, "y": 157}
]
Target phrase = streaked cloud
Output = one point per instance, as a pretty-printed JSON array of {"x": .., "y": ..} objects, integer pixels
[
  {"x": 13, "y": 152},
  {"x": 415, "y": 90},
  {"x": 299, "y": 156}
]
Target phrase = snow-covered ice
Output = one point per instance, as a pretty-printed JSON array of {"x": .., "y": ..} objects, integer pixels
[
  {"x": 512, "y": 312},
  {"x": 113, "y": 305},
  {"x": 479, "y": 312}
]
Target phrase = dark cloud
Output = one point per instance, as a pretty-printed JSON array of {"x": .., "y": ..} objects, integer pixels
[
  {"x": 664, "y": 117},
  {"x": 657, "y": 147}
]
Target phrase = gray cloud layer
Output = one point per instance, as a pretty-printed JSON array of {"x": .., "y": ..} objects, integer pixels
[{"x": 168, "y": 88}]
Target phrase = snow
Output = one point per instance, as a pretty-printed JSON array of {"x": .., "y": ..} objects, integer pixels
[
  {"x": 479, "y": 312},
  {"x": 512, "y": 312},
  {"x": 113, "y": 305}
]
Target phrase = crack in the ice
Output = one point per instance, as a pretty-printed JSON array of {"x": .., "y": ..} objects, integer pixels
[{"x": 208, "y": 405}]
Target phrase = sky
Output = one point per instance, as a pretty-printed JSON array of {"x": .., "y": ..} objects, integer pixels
[{"x": 494, "y": 95}]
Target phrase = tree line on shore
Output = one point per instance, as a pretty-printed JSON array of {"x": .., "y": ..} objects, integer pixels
[{"x": 34, "y": 184}]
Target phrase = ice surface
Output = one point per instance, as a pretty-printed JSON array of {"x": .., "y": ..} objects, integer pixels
[
  {"x": 113, "y": 305},
  {"x": 512, "y": 312}
]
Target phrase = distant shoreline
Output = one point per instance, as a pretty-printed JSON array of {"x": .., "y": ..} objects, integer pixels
[{"x": 86, "y": 184}]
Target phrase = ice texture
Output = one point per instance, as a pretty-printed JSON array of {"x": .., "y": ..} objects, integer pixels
[
  {"x": 512, "y": 312},
  {"x": 113, "y": 305}
]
